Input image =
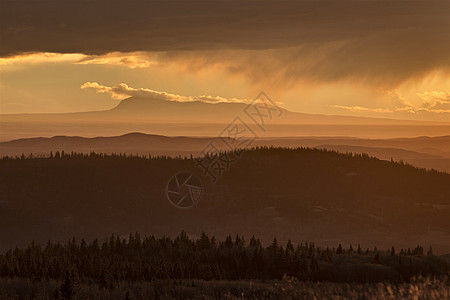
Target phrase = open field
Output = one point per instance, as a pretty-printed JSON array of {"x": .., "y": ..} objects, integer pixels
[{"x": 287, "y": 288}]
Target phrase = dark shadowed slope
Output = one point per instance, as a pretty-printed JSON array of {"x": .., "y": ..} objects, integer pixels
[{"x": 298, "y": 194}]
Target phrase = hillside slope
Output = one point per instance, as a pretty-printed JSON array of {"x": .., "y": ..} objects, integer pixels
[{"x": 298, "y": 194}]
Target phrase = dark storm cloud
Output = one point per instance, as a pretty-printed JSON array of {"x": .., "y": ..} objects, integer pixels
[{"x": 322, "y": 40}]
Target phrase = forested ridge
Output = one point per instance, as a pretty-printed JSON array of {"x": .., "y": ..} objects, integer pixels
[
  {"x": 346, "y": 203},
  {"x": 295, "y": 194},
  {"x": 149, "y": 258}
]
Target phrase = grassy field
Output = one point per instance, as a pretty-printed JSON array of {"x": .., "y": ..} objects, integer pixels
[{"x": 287, "y": 288}]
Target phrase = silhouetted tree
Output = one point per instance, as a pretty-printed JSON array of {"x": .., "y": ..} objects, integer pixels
[{"x": 67, "y": 288}]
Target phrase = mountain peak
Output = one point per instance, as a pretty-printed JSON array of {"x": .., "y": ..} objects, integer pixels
[{"x": 159, "y": 109}]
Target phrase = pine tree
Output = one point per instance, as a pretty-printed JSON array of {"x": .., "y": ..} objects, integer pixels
[
  {"x": 228, "y": 242},
  {"x": 289, "y": 247},
  {"x": 67, "y": 289},
  {"x": 359, "y": 249},
  {"x": 314, "y": 265}
]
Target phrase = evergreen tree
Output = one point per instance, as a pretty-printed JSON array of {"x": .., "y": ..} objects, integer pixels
[
  {"x": 359, "y": 251},
  {"x": 67, "y": 289}
]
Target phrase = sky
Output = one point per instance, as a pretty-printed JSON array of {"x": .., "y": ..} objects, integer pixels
[{"x": 364, "y": 58}]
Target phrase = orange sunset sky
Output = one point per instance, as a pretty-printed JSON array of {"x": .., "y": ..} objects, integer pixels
[{"x": 363, "y": 58}]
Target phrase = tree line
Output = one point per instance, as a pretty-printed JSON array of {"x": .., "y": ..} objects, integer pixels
[{"x": 150, "y": 258}]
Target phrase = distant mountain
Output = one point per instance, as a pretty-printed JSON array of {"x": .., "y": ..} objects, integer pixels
[
  {"x": 422, "y": 152},
  {"x": 137, "y": 114},
  {"x": 131, "y": 143},
  {"x": 301, "y": 194},
  {"x": 162, "y": 110}
]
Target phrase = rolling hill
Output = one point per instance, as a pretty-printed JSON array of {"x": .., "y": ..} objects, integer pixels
[
  {"x": 424, "y": 152},
  {"x": 296, "y": 194}
]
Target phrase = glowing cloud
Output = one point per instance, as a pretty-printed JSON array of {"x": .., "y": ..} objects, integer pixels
[
  {"x": 123, "y": 91},
  {"x": 130, "y": 60},
  {"x": 434, "y": 102},
  {"x": 39, "y": 58}
]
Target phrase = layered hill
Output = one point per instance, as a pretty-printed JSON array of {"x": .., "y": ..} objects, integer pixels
[
  {"x": 424, "y": 152},
  {"x": 148, "y": 115}
]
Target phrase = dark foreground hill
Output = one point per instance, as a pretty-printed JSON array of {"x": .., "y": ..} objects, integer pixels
[{"x": 299, "y": 194}]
